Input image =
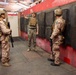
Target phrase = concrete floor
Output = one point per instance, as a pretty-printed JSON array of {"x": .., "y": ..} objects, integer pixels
[{"x": 32, "y": 63}]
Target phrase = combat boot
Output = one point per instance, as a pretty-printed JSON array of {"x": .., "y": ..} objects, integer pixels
[
  {"x": 49, "y": 59},
  {"x": 34, "y": 49},
  {"x": 8, "y": 59},
  {"x": 28, "y": 50},
  {"x": 6, "y": 64},
  {"x": 53, "y": 64}
]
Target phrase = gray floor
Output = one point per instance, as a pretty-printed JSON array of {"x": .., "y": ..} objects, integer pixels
[{"x": 32, "y": 63}]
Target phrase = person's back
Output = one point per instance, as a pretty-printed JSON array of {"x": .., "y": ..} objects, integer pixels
[
  {"x": 56, "y": 37},
  {"x": 62, "y": 23}
]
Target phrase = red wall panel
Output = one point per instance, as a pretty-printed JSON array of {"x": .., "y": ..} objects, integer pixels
[{"x": 47, "y": 4}]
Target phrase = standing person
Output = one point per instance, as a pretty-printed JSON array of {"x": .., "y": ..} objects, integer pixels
[
  {"x": 57, "y": 37},
  {"x": 7, "y": 37},
  {"x": 6, "y": 24},
  {"x": 32, "y": 31},
  {"x": 4, "y": 31}
]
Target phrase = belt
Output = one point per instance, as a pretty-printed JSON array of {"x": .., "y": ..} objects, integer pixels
[
  {"x": 32, "y": 28},
  {"x": 33, "y": 25}
]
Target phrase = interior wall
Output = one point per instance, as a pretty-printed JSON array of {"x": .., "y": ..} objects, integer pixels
[
  {"x": 13, "y": 20},
  {"x": 68, "y": 54}
]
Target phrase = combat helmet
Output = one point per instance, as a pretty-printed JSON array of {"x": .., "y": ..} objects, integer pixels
[
  {"x": 58, "y": 11},
  {"x": 2, "y": 11}
]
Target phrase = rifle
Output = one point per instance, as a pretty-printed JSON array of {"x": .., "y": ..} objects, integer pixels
[
  {"x": 51, "y": 42},
  {"x": 11, "y": 38}
]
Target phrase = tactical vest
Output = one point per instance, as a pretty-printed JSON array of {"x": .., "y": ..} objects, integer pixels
[
  {"x": 62, "y": 29},
  {"x": 32, "y": 22}
]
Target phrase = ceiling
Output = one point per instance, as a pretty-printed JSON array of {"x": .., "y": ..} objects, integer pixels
[{"x": 17, "y": 5}]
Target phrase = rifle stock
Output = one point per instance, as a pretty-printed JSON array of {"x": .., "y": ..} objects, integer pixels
[
  {"x": 11, "y": 39},
  {"x": 51, "y": 44}
]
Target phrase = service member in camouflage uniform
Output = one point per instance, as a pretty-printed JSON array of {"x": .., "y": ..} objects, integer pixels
[
  {"x": 57, "y": 37},
  {"x": 32, "y": 31},
  {"x": 5, "y": 43}
]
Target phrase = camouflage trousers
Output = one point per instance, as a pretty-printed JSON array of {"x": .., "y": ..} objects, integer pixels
[
  {"x": 5, "y": 51},
  {"x": 55, "y": 49},
  {"x": 0, "y": 50},
  {"x": 31, "y": 37}
]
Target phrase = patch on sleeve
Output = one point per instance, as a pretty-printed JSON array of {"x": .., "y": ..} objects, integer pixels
[{"x": 58, "y": 22}]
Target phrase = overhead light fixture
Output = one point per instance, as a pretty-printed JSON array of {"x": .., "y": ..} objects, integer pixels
[{"x": 12, "y": 6}]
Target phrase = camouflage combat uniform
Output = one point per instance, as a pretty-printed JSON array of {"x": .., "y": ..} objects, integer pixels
[
  {"x": 4, "y": 42},
  {"x": 57, "y": 38},
  {"x": 32, "y": 29}
]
